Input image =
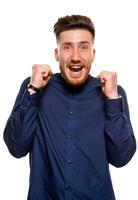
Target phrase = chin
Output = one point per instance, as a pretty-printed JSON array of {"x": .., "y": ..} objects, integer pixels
[{"x": 75, "y": 82}]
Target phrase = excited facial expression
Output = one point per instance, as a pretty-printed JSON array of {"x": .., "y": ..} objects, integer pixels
[{"x": 75, "y": 54}]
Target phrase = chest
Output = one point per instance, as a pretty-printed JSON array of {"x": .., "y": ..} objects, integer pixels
[{"x": 75, "y": 111}]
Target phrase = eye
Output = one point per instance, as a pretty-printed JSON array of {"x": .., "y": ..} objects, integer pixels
[
  {"x": 66, "y": 47},
  {"x": 84, "y": 47}
]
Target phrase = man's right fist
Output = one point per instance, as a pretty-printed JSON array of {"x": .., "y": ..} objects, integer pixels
[{"x": 40, "y": 75}]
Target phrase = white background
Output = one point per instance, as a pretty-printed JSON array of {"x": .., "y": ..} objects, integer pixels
[{"x": 26, "y": 37}]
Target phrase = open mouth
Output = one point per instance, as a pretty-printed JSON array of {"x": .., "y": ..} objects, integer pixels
[{"x": 75, "y": 68}]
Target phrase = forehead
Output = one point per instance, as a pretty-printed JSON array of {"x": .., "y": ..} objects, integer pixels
[{"x": 75, "y": 36}]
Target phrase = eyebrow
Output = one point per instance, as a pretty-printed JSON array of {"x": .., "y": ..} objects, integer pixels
[
  {"x": 70, "y": 43},
  {"x": 84, "y": 42}
]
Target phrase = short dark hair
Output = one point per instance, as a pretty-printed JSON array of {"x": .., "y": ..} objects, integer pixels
[{"x": 74, "y": 22}]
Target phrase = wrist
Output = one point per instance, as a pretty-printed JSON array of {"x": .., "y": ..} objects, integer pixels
[
  {"x": 33, "y": 89},
  {"x": 113, "y": 96}
]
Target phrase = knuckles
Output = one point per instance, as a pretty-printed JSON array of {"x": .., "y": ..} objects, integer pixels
[
  {"x": 41, "y": 68},
  {"x": 107, "y": 74}
]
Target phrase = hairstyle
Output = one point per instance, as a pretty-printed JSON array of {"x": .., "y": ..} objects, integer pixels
[{"x": 73, "y": 22}]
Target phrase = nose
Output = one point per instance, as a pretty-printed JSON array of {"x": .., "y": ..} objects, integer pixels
[{"x": 75, "y": 55}]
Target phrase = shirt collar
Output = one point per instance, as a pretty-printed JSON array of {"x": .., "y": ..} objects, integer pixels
[{"x": 90, "y": 83}]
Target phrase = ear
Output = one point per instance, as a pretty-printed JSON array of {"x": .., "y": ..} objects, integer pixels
[
  {"x": 94, "y": 52},
  {"x": 56, "y": 54}
]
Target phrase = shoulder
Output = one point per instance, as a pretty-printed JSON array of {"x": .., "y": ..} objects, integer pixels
[
  {"x": 121, "y": 91},
  {"x": 24, "y": 84},
  {"x": 26, "y": 81}
]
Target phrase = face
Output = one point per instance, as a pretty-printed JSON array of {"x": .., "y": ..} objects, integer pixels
[{"x": 75, "y": 54}]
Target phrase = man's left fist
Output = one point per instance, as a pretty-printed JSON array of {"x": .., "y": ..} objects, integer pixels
[{"x": 109, "y": 84}]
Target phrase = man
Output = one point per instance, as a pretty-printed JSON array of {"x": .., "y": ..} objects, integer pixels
[{"x": 72, "y": 124}]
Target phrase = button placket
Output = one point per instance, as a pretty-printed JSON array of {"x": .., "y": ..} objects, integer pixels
[{"x": 69, "y": 142}]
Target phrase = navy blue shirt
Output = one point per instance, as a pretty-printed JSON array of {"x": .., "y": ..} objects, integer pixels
[{"x": 71, "y": 134}]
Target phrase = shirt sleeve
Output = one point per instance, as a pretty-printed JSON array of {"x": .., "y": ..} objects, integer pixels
[
  {"x": 21, "y": 126},
  {"x": 120, "y": 140}
]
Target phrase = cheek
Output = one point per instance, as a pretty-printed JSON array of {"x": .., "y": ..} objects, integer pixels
[
  {"x": 90, "y": 58},
  {"x": 63, "y": 58}
]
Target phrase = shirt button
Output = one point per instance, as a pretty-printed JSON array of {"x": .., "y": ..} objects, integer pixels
[
  {"x": 70, "y": 112},
  {"x": 69, "y": 161},
  {"x": 69, "y": 136}
]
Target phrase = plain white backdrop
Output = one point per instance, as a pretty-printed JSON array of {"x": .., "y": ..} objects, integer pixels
[{"x": 26, "y": 37}]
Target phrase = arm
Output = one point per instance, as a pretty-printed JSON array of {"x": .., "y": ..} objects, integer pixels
[
  {"x": 21, "y": 125},
  {"x": 120, "y": 140}
]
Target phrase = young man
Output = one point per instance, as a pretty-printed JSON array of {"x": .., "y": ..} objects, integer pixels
[{"x": 72, "y": 124}]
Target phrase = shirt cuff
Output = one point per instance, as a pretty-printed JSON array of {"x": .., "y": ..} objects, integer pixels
[
  {"x": 114, "y": 106},
  {"x": 28, "y": 99}
]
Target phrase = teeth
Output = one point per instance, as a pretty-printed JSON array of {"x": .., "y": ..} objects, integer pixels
[{"x": 75, "y": 68}]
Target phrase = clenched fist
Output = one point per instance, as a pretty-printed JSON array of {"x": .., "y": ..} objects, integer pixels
[
  {"x": 40, "y": 75},
  {"x": 109, "y": 84}
]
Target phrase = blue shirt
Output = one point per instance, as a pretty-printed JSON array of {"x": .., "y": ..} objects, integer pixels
[{"x": 71, "y": 134}]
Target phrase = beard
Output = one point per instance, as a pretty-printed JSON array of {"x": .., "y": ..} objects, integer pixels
[{"x": 71, "y": 77}]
